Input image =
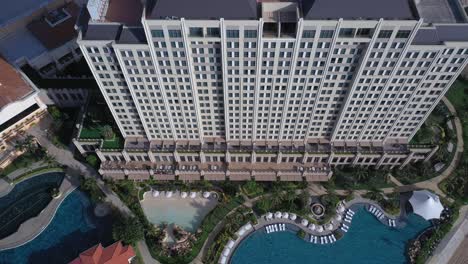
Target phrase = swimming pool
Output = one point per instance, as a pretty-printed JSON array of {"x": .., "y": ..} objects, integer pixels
[
  {"x": 73, "y": 229},
  {"x": 27, "y": 199},
  {"x": 185, "y": 212},
  {"x": 368, "y": 241}
]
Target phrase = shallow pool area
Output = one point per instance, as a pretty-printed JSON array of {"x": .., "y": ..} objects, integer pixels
[
  {"x": 73, "y": 229},
  {"x": 187, "y": 213},
  {"x": 26, "y": 200},
  {"x": 368, "y": 241}
]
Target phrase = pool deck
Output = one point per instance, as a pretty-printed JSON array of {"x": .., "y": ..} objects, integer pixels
[
  {"x": 296, "y": 225},
  {"x": 5, "y": 188},
  {"x": 33, "y": 227}
]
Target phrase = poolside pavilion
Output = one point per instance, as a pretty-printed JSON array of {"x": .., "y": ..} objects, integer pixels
[{"x": 426, "y": 204}]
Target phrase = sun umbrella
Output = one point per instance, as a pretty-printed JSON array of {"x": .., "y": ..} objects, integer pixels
[
  {"x": 292, "y": 217},
  {"x": 183, "y": 195},
  {"x": 304, "y": 222},
  {"x": 155, "y": 193},
  {"x": 278, "y": 215}
]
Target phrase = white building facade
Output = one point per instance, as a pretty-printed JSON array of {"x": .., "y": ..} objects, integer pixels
[{"x": 270, "y": 90}]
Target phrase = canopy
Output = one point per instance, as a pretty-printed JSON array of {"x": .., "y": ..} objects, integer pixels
[
  {"x": 193, "y": 194},
  {"x": 183, "y": 195},
  {"x": 338, "y": 217},
  {"x": 169, "y": 194},
  {"x": 230, "y": 244},
  {"x": 304, "y": 222},
  {"x": 285, "y": 215},
  {"x": 340, "y": 208},
  {"x": 206, "y": 194},
  {"x": 223, "y": 260},
  {"x": 292, "y": 217},
  {"x": 278, "y": 215},
  {"x": 319, "y": 229},
  {"x": 426, "y": 204},
  {"x": 226, "y": 252},
  {"x": 329, "y": 226},
  {"x": 269, "y": 215},
  {"x": 155, "y": 193},
  {"x": 311, "y": 226}
]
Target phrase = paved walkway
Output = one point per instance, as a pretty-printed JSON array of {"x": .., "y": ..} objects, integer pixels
[
  {"x": 34, "y": 226},
  {"x": 17, "y": 173},
  {"x": 5, "y": 187}
]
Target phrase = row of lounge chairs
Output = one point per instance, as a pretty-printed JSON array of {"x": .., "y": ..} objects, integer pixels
[
  {"x": 347, "y": 218},
  {"x": 275, "y": 228},
  {"x": 375, "y": 211},
  {"x": 323, "y": 239}
]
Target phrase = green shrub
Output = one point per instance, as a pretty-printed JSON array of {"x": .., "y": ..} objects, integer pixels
[{"x": 128, "y": 229}]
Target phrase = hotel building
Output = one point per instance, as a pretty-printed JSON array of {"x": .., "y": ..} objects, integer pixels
[{"x": 268, "y": 90}]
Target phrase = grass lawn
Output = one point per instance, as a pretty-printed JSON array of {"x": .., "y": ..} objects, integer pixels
[{"x": 115, "y": 143}]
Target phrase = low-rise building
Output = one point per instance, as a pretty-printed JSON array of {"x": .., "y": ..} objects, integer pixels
[
  {"x": 113, "y": 254},
  {"x": 20, "y": 108}
]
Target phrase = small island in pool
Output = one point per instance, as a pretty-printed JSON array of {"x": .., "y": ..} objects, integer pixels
[{"x": 368, "y": 241}]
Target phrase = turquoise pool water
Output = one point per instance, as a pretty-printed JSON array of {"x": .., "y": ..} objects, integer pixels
[
  {"x": 27, "y": 199},
  {"x": 368, "y": 241},
  {"x": 72, "y": 230}
]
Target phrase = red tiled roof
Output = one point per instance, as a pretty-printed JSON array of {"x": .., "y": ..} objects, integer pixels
[
  {"x": 113, "y": 254},
  {"x": 12, "y": 84},
  {"x": 54, "y": 37}
]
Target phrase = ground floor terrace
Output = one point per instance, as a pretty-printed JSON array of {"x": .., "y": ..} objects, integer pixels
[{"x": 284, "y": 164}]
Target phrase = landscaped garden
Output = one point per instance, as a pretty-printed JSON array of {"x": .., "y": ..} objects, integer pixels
[
  {"x": 64, "y": 119},
  {"x": 33, "y": 153},
  {"x": 98, "y": 124},
  {"x": 457, "y": 184},
  {"x": 358, "y": 178}
]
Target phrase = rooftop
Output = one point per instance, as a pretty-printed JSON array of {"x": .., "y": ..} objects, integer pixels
[
  {"x": 53, "y": 35},
  {"x": 357, "y": 9},
  {"x": 441, "y": 33},
  {"x": 127, "y": 12},
  {"x": 14, "y": 9},
  {"x": 204, "y": 9},
  {"x": 19, "y": 44},
  {"x": 113, "y": 254},
  {"x": 12, "y": 85}
]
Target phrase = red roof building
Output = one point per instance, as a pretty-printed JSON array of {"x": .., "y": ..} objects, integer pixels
[{"x": 113, "y": 254}]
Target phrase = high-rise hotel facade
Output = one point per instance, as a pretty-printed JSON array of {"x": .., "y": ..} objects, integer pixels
[{"x": 267, "y": 90}]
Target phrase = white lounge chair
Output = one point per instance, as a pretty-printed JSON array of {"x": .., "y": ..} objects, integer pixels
[
  {"x": 315, "y": 240},
  {"x": 276, "y": 228}
]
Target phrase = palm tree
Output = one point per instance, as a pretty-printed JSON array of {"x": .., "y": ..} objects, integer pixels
[{"x": 362, "y": 174}]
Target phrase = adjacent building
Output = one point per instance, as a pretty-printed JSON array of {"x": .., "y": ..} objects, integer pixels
[
  {"x": 39, "y": 33},
  {"x": 113, "y": 254},
  {"x": 20, "y": 108},
  {"x": 269, "y": 90}
]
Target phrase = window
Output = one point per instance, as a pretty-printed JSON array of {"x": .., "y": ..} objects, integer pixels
[
  {"x": 346, "y": 32},
  {"x": 212, "y": 32},
  {"x": 308, "y": 33},
  {"x": 326, "y": 34},
  {"x": 403, "y": 34},
  {"x": 157, "y": 33},
  {"x": 175, "y": 33},
  {"x": 363, "y": 32},
  {"x": 196, "y": 32},
  {"x": 250, "y": 33},
  {"x": 232, "y": 33},
  {"x": 385, "y": 34}
]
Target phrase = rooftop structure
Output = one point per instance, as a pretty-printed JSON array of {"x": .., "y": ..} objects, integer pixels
[
  {"x": 39, "y": 33},
  {"x": 113, "y": 254},
  {"x": 13, "y": 86}
]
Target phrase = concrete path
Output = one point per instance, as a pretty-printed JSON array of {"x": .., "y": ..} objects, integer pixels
[
  {"x": 17, "y": 173},
  {"x": 34, "y": 226},
  {"x": 5, "y": 187}
]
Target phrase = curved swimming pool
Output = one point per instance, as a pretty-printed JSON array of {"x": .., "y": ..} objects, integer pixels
[
  {"x": 73, "y": 229},
  {"x": 368, "y": 241}
]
